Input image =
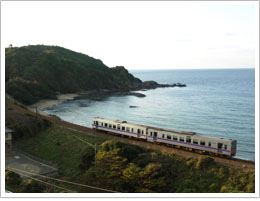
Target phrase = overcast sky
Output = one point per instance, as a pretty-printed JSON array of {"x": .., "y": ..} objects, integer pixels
[{"x": 140, "y": 35}]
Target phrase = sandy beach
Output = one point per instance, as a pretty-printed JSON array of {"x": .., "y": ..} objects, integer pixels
[{"x": 48, "y": 103}]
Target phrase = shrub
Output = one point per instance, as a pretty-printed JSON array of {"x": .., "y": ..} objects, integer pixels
[
  {"x": 204, "y": 162},
  {"x": 126, "y": 150},
  {"x": 31, "y": 186},
  {"x": 87, "y": 159},
  {"x": 12, "y": 178}
]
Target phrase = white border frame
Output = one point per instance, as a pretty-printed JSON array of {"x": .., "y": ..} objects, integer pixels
[{"x": 144, "y": 195}]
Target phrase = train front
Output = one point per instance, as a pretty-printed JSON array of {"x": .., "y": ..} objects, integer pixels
[{"x": 233, "y": 147}]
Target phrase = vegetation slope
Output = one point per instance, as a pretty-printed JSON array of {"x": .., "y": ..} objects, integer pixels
[
  {"x": 128, "y": 168},
  {"x": 117, "y": 166},
  {"x": 37, "y": 72}
]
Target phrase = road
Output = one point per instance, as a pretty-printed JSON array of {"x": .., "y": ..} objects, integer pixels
[{"x": 22, "y": 162}]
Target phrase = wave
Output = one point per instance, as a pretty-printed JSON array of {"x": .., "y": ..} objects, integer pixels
[{"x": 250, "y": 152}]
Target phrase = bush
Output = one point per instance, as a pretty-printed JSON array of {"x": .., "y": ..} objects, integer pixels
[
  {"x": 25, "y": 125},
  {"x": 31, "y": 186},
  {"x": 12, "y": 178},
  {"x": 87, "y": 159},
  {"x": 143, "y": 159},
  {"x": 204, "y": 162},
  {"x": 126, "y": 150}
]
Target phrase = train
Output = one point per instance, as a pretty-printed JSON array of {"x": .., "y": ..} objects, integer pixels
[{"x": 190, "y": 141}]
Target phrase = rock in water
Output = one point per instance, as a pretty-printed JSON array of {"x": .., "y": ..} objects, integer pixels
[
  {"x": 83, "y": 105},
  {"x": 133, "y": 106},
  {"x": 136, "y": 94}
]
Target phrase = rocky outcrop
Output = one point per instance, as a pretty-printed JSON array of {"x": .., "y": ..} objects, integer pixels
[
  {"x": 154, "y": 85},
  {"x": 135, "y": 94}
]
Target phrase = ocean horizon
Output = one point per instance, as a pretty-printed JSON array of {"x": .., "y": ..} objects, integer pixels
[{"x": 216, "y": 102}]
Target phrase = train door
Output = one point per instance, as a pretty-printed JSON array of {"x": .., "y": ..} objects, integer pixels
[
  {"x": 150, "y": 136},
  {"x": 96, "y": 124},
  {"x": 220, "y": 147},
  {"x": 138, "y": 132},
  {"x": 154, "y": 136},
  {"x": 146, "y": 133}
]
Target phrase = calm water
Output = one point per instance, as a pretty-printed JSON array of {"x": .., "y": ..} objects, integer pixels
[{"x": 218, "y": 103}]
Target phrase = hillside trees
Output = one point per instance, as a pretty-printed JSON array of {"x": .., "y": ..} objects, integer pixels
[
  {"x": 128, "y": 168},
  {"x": 38, "y": 72}
]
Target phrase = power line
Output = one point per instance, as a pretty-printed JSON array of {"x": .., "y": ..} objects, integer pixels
[
  {"x": 42, "y": 181},
  {"x": 61, "y": 180},
  {"x": 92, "y": 145}
]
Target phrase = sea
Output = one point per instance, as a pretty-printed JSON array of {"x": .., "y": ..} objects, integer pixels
[{"x": 216, "y": 102}]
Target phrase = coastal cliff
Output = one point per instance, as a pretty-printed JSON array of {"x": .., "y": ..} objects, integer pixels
[{"x": 38, "y": 72}]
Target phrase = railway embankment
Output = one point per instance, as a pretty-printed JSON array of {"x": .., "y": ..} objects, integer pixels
[{"x": 123, "y": 167}]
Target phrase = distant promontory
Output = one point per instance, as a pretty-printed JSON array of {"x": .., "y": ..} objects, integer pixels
[{"x": 37, "y": 72}]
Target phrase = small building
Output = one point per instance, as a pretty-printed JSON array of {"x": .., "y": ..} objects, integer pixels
[{"x": 8, "y": 140}]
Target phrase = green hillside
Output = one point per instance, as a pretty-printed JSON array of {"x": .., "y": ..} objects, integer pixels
[
  {"x": 37, "y": 72},
  {"x": 129, "y": 168}
]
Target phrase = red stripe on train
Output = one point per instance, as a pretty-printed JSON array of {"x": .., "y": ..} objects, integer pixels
[{"x": 233, "y": 151}]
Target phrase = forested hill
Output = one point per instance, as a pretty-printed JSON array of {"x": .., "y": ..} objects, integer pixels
[{"x": 37, "y": 72}]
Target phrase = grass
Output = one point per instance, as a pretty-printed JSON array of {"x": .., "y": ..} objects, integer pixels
[{"x": 58, "y": 145}]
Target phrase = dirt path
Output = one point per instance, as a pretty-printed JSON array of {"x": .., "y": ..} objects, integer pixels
[{"x": 237, "y": 163}]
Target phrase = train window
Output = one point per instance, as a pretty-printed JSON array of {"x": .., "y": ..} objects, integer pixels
[
  {"x": 155, "y": 134},
  {"x": 123, "y": 128},
  {"x": 209, "y": 144},
  {"x": 132, "y": 130},
  {"x": 175, "y": 138},
  {"x": 105, "y": 124},
  {"x": 146, "y": 131},
  {"x": 151, "y": 133},
  {"x": 182, "y": 139},
  {"x": 142, "y": 131},
  {"x": 202, "y": 142},
  {"x": 188, "y": 140},
  {"x": 195, "y": 141},
  {"x": 162, "y": 135},
  {"x": 102, "y": 124},
  {"x": 225, "y": 146},
  {"x": 114, "y": 126},
  {"x": 110, "y": 125},
  {"x": 97, "y": 123},
  {"x": 127, "y": 129},
  {"x": 169, "y": 137},
  {"x": 118, "y": 127},
  {"x": 138, "y": 131}
]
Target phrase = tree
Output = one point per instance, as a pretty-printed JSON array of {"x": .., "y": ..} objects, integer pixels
[
  {"x": 87, "y": 159},
  {"x": 153, "y": 177},
  {"x": 132, "y": 176}
]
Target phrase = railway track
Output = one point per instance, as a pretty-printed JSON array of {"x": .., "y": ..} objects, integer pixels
[{"x": 232, "y": 162}]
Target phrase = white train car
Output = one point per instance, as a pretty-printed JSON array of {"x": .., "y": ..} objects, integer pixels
[
  {"x": 193, "y": 141},
  {"x": 120, "y": 127},
  {"x": 189, "y": 140}
]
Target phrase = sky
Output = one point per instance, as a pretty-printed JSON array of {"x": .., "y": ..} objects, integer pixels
[{"x": 140, "y": 35}]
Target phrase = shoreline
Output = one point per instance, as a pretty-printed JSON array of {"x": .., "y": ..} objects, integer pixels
[{"x": 48, "y": 103}]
